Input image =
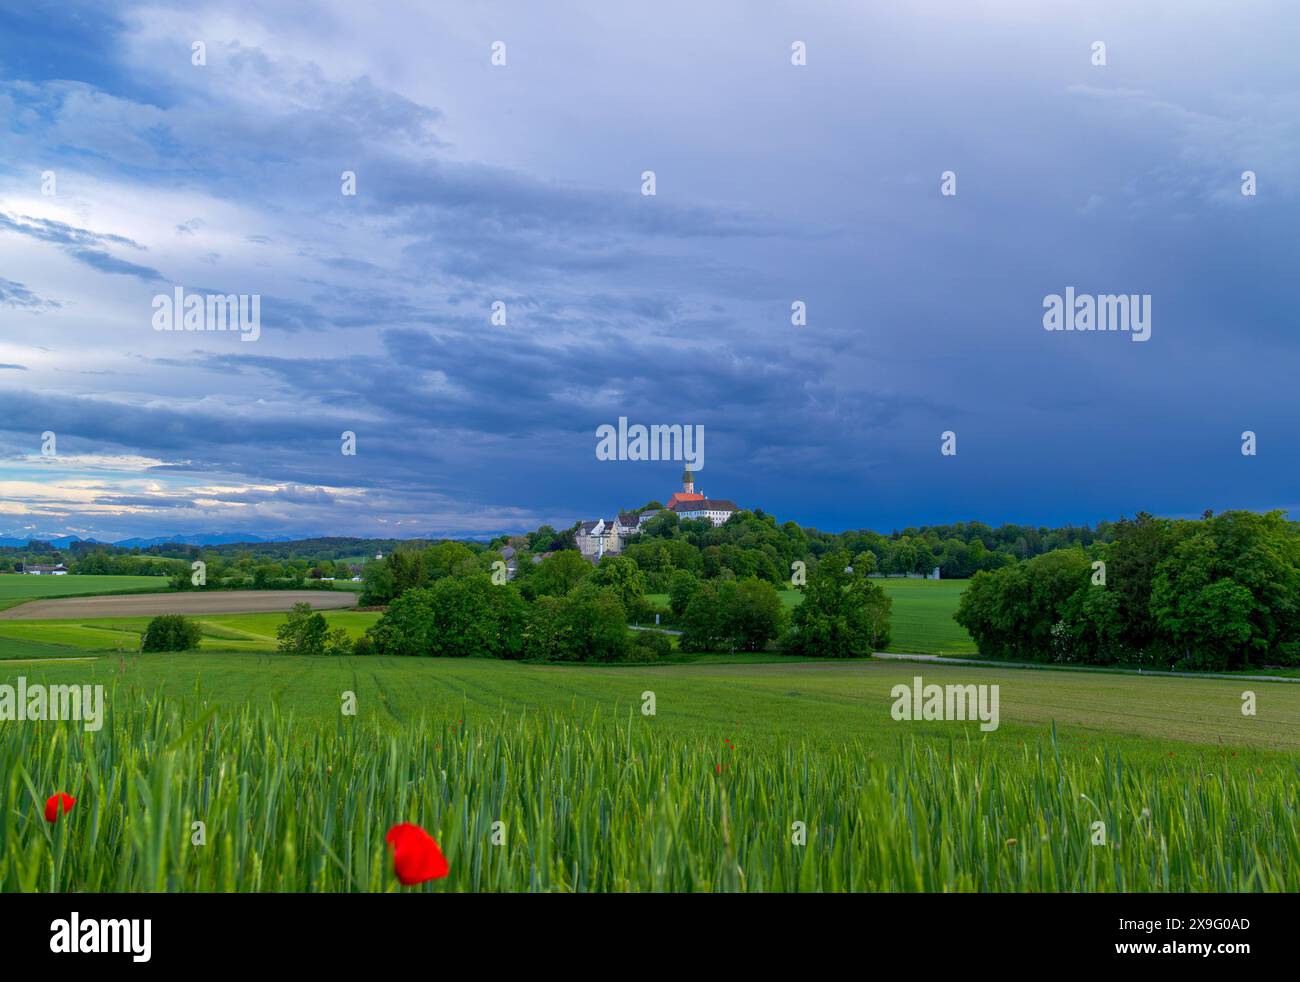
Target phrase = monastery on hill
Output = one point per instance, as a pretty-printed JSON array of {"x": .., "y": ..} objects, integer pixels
[{"x": 603, "y": 537}]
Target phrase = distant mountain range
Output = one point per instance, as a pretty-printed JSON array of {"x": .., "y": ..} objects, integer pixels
[{"x": 203, "y": 539}]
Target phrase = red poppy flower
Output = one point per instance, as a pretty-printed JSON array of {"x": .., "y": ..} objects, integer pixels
[
  {"x": 416, "y": 857},
  {"x": 57, "y": 803}
]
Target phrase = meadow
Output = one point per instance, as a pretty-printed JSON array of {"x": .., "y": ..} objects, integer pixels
[
  {"x": 761, "y": 697},
  {"x": 591, "y": 795},
  {"x": 224, "y": 632},
  {"x": 17, "y": 588}
]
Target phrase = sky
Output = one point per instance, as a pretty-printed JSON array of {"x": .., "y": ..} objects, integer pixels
[{"x": 521, "y": 184}]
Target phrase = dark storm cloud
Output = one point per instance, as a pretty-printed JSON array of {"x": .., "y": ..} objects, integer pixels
[{"x": 924, "y": 312}]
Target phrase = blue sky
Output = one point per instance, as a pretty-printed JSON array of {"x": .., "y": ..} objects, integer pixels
[{"x": 522, "y": 184}]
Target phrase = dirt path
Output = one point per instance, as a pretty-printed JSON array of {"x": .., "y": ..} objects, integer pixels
[
  {"x": 44, "y": 661},
  {"x": 197, "y": 604},
  {"x": 1095, "y": 669}
]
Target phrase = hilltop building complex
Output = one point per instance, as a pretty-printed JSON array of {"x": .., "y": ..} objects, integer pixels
[{"x": 604, "y": 537}]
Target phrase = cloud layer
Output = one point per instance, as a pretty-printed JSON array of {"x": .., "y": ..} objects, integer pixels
[{"x": 126, "y": 170}]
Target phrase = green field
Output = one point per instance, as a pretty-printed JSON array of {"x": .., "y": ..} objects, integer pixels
[
  {"x": 1192, "y": 794},
  {"x": 921, "y": 618},
  {"x": 826, "y": 702},
  {"x": 596, "y": 796},
  {"x": 226, "y": 632},
  {"x": 16, "y": 588},
  {"x": 922, "y": 621}
]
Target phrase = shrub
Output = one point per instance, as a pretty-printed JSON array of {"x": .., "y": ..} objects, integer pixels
[
  {"x": 304, "y": 632},
  {"x": 650, "y": 646},
  {"x": 171, "y": 632},
  {"x": 642, "y": 611},
  {"x": 338, "y": 642}
]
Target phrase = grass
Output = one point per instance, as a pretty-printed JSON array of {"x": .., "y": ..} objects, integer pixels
[
  {"x": 347, "y": 585},
  {"x": 16, "y": 588},
  {"x": 921, "y": 618},
  {"x": 824, "y": 702},
  {"x": 227, "y": 632},
  {"x": 594, "y": 796},
  {"x": 617, "y": 801}
]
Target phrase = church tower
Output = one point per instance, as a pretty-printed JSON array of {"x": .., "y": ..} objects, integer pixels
[{"x": 688, "y": 492}]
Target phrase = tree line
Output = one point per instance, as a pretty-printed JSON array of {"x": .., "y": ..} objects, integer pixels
[
  {"x": 564, "y": 608},
  {"x": 1217, "y": 593},
  {"x": 751, "y": 543}
]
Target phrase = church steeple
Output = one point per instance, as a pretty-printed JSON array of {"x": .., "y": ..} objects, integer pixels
[{"x": 688, "y": 481}]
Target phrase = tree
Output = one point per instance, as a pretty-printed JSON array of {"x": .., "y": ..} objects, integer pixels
[
  {"x": 1139, "y": 546},
  {"x": 473, "y": 617},
  {"x": 450, "y": 559},
  {"x": 864, "y": 563},
  {"x": 408, "y": 569},
  {"x": 701, "y": 621},
  {"x": 304, "y": 631},
  {"x": 557, "y": 574},
  {"x": 339, "y": 642},
  {"x": 665, "y": 525},
  {"x": 380, "y": 587},
  {"x": 587, "y": 624},
  {"x": 1206, "y": 614},
  {"x": 542, "y": 540},
  {"x": 902, "y": 557},
  {"x": 623, "y": 576},
  {"x": 1091, "y": 628},
  {"x": 407, "y": 626},
  {"x": 842, "y": 615},
  {"x": 1011, "y": 612},
  {"x": 1221, "y": 592},
  {"x": 457, "y": 617},
  {"x": 171, "y": 632},
  {"x": 681, "y": 587},
  {"x": 650, "y": 646},
  {"x": 756, "y": 615},
  {"x": 732, "y": 615}
]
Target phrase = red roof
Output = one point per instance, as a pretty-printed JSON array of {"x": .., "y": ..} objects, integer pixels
[{"x": 681, "y": 496}]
